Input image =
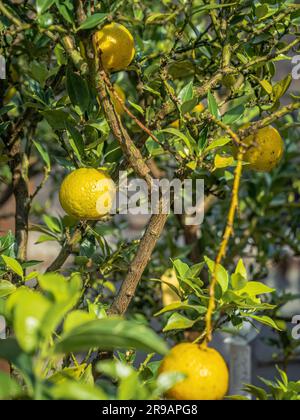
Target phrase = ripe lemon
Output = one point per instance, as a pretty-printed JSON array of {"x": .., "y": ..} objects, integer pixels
[
  {"x": 87, "y": 194},
  {"x": 265, "y": 151},
  {"x": 168, "y": 294},
  {"x": 197, "y": 110},
  {"x": 120, "y": 92},
  {"x": 115, "y": 45},
  {"x": 206, "y": 372}
]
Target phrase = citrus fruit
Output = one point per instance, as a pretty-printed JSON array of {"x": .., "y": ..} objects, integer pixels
[
  {"x": 266, "y": 149},
  {"x": 168, "y": 294},
  {"x": 197, "y": 110},
  {"x": 120, "y": 92},
  {"x": 206, "y": 372},
  {"x": 115, "y": 46},
  {"x": 87, "y": 194}
]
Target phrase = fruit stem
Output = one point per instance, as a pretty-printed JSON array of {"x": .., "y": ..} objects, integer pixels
[{"x": 224, "y": 245}]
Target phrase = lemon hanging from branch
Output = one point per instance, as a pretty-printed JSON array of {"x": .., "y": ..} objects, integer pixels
[
  {"x": 266, "y": 149},
  {"x": 115, "y": 47},
  {"x": 87, "y": 194},
  {"x": 206, "y": 372}
]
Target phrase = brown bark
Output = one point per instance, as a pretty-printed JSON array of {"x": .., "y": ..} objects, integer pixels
[
  {"x": 19, "y": 170},
  {"x": 138, "y": 265}
]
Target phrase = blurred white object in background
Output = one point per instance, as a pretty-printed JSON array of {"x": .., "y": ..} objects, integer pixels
[{"x": 2, "y": 328}]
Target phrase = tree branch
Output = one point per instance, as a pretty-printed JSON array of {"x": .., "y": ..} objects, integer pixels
[
  {"x": 65, "y": 251},
  {"x": 137, "y": 163},
  {"x": 138, "y": 265}
]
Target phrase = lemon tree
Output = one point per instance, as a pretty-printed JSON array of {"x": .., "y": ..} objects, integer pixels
[{"x": 157, "y": 89}]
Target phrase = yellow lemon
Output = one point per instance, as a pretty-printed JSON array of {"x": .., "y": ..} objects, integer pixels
[
  {"x": 266, "y": 149},
  {"x": 120, "y": 92},
  {"x": 197, "y": 110},
  {"x": 168, "y": 294},
  {"x": 87, "y": 194},
  {"x": 206, "y": 372},
  {"x": 115, "y": 46}
]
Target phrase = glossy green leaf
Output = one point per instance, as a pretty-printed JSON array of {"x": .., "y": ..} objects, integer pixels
[
  {"x": 44, "y": 154},
  {"x": 93, "y": 20},
  {"x": 6, "y": 288},
  {"x": 255, "y": 288},
  {"x": 78, "y": 90},
  {"x": 71, "y": 390},
  {"x": 76, "y": 318},
  {"x": 264, "y": 320},
  {"x": 178, "y": 322},
  {"x": 221, "y": 273},
  {"x": 109, "y": 334},
  {"x": 13, "y": 265},
  {"x": 213, "y": 105},
  {"x": 181, "y": 306},
  {"x": 29, "y": 313},
  {"x": 43, "y": 5},
  {"x": 220, "y": 142}
]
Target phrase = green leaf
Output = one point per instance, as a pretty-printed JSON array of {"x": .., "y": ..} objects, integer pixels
[
  {"x": 178, "y": 322},
  {"x": 221, "y": 162},
  {"x": 258, "y": 393},
  {"x": 180, "y": 135},
  {"x": 6, "y": 288},
  {"x": 187, "y": 99},
  {"x": 76, "y": 318},
  {"x": 137, "y": 107},
  {"x": 220, "y": 142},
  {"x": 57, "y": 118},
  {"x": 213, "y": 105},
  {"x": 109, "y": 334},
  {"x": 238, "y": 282},
  {"x": 181, "y": 268},
  {"x": 233, "y": 115},
  {"x": 93, "y": 21},
  {"x": 263, "y": 320},
  {"x": 177, "y": 306},
  {"x": 13, "y": 265},
  {"x": 261, "y": 10},
  {"x": 43, "y": 5},
  {"x": 60, "y": 288},
  {"x": 44, "y": 154},
  {"x": 76, "y": 141},
  {"x": 29, "y": 311},
  {"x": 8, "y": 387},
  {"x": 156, "y": 17},
  {"x": 78, "y": 90},
  {"x": 60, "y": 55},
  {"x": 52, "y": 223},
  {"x": 241, "y": 269},
  {"x": 280, "y": 88},
  {"x": 255, "y": 288},
  {"x": 187, "y": 93},
  {"x": 266, "y": 85},
  {"x": 221, "y": 273},
  {"x": 45, "y": 238},
  {"x": 195, "y": 270},
  {"x": 72, "y": 390},
  {"x": 66, "y": 9}
]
